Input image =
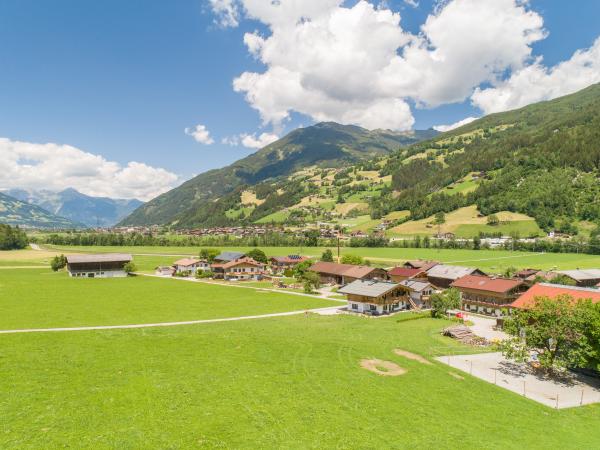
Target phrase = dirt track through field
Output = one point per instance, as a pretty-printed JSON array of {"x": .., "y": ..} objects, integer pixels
[{"x": 163, "y": 324}]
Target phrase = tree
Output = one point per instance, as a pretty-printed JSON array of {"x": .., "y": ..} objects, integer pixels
[
  {"x": 130, "y": 267},
  {"x": 258, "y": 255},
  {"x": 312, "y": 238},
  {"x": 493, "y": 220},
  {"x": 509, "y": 272},
  {"x": 209, "y": 254},
  {"x": 58, "y": 262},
  {"x": 349, "y": 258},
  {"x": 476, "y": 243},
  {"x": 440, "y": 218},
  {"x": 555, "y": 329},
  {"x": 12, "y": 238},
  {"x": 327, "y": 256},
  {"x": 311, "y": 281},
  {"x": 301, "y": 269},
  {"x": 442, "y": 302}
]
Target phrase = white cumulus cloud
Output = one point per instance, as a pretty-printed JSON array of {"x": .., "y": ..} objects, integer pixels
[
  {"x": 226, "y": 12},
  {"x": 460, "y": 123},
  {"x": 201, "y": 134},
  {"x": 56, "y": 167},
  {"x": 352, "y": 62},
  {"x": 537, "y": 82}
]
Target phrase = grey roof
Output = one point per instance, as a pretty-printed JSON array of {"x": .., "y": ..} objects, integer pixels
[
  {"x": 415, "y": 285},
  {"x": 581, "y": 275},
  {"x": 99, "y": 258},
  {"x": 229, "y": 256},
  {"x": 574, "y": 288},
  {"x": 368, "y": 288},
  {"x": 449, "y": 272}
]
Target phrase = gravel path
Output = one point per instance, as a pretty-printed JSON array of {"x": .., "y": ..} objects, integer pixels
[{"x": 164, "y": 324}]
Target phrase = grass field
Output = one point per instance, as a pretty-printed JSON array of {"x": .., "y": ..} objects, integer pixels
[
  {"x": 288, "y": 382},
  {"x": 466, "y": 222},
  {"x": 491, "y": 260},
  {"x": 37, "y": 298}
]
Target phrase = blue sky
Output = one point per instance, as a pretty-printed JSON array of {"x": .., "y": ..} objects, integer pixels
[{"x": 123, "y": 79}]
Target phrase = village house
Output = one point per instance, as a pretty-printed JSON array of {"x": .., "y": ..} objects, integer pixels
[
  {"x": 335, "y": 273},
  {"x": 419, "y": 292},
  {"x": 225, "y": 257},
  {"x": 552, "y": 291},
  {"x": 583, "y": 277},
  {"x": 487, "y": 295},
  {"x": 244, "y": 268},
  {"x": 420, "y": 264},
  {"x": 398, "y": 274},
  {"x": 375, "y": 297},
  {"x": 190, "y": 265},
  {"x": 107, "y": 265},
  {"x": 533, "y": 276},
  {"x": 281, "y": 263},
  {"x": 442, "y": 275}
]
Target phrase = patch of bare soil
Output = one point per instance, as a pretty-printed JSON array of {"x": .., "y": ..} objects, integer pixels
[
  {"x": 381, "y": 367},
  {"x": 412, "y": 356},
  {"x": 457, "y": 376}
]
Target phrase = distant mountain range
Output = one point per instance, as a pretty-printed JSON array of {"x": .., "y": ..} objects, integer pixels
[
  {"x": 77, "y": 207},
  {"x": 325, "y": 144},
  {"x": 17, "y": 212}
]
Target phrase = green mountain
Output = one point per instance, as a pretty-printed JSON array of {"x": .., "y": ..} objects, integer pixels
[
  {"x": 322, "y": 145},
  {"x": 542, "y": 160},
  {"x": 16, "y": 212},
  {"x": 78, "y": 207}
]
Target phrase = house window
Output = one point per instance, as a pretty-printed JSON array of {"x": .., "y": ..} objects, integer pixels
[
  {"x": 354, "y": 306},
  {"x": 372, "y": 307}
]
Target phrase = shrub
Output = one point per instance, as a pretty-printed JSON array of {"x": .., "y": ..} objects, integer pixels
[
  {"x": 58, "y": 262},
  {"x": 130, "y": 267}
]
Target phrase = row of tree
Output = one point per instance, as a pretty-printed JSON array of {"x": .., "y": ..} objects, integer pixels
[{"x": 12, "y": 238}]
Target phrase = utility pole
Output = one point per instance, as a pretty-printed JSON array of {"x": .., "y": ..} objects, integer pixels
[{"x": 338, "y": 248}]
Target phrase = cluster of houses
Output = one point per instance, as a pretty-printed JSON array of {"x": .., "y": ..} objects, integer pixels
[
  {"x": 231, "y": 266},
  {"x": 377, "y": 291},
  {"x": 373, "y": 290}
]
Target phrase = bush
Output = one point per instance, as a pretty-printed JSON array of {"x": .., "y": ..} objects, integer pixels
[
  {"x": 130, "y": 267},
  {"x": 58, "y": 262},
  {"x": 352, "y": 259},
  {"x": 327, "y": 256},
  {"x": 258, "y": 255},
  {"x": 204, "y": 274}
]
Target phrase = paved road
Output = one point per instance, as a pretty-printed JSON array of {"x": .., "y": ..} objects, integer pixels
[{"x": 166, "y": 324}]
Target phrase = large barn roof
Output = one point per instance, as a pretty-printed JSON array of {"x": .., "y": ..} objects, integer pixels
[
  {"x": 487, "y": 284},
  {"x": 582, "y": 275},
  {"x": 347, "y": 270},
  {"x": 99, "y": 258},
  {"x": 450, "y": 272}
]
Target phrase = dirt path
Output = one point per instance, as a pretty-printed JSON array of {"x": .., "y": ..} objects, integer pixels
[
  {"x": 162, "y": 324},
  {"x": 23, "y": 267}
]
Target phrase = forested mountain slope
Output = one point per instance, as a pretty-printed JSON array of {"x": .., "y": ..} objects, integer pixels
[
  {"x": 542, "y": 160},
  {"x": 324, "y": 145}
]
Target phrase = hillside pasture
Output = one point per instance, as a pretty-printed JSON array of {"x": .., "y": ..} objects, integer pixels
[{"x": 509, "y": 222}]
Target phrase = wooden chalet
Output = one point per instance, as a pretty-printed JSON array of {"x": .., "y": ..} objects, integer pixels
[
  {"x": 244, "y": 268},
  {"x": 335, "y": 273},
  {"x": 281, "y": 263},
  {"x": 487, "y": 295},
  {"x": 376, "y": 297}
]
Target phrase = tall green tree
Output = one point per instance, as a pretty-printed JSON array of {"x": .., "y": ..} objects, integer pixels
[
  {"x": 555, "y": 329},
  {"x": 209, "y": 254},
  {"x": 327, "y": 256},
  {"x": 258, "y": 255}
]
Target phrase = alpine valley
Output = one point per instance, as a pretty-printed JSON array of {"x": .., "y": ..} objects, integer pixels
[{"x": 520, "y": 172}]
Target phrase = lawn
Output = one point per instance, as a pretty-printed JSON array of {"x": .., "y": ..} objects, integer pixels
[
  {"x": 492, "y": 260},
  {"x": 287, "y": 382},
  {"x": 37, "y": 298},
  {"x": 523, "y": 228}
]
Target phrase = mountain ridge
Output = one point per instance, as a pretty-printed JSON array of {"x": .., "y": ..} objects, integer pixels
[{"x": 16, "y": 212}]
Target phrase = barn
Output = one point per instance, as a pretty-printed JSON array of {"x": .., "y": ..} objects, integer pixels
[{"x": 104, "y": 265}]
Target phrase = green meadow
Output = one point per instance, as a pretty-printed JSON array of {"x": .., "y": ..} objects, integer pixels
[
  {"x": 39, "y": 298},
  {"x": 492, "y": 260},
  {"x": 286, "y": 382}
]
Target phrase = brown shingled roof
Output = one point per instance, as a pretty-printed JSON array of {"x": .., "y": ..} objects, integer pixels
[
  {"x": 481, "y": 283},
  {"x": 347, "y": 270}
]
